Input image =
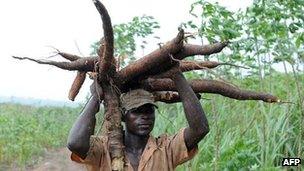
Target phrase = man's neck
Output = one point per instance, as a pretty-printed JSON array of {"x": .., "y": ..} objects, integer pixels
[{"x": 134, "y": 142}]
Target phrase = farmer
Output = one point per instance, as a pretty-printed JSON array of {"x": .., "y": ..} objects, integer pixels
[{"x": 142, "y": 151}]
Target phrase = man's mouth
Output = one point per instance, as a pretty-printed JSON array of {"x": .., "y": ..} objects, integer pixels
[{"x": 144, "y": 126}]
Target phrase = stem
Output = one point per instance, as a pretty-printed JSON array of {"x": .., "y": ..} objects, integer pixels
[
  {"x": 217, "y": 135},
  {"x": 107, "y": 73},
  {"x": 285, "y": 68},
  {"x": 300, "y": 103}
]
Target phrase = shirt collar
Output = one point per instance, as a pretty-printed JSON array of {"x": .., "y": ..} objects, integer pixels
[{"x": 150, "y": 147}]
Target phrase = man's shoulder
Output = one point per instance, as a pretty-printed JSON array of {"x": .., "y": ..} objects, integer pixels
[{"x": 166, "y": 138}]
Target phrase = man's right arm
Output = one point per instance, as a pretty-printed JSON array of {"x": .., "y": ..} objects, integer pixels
[{"x": 83, "y": 128}]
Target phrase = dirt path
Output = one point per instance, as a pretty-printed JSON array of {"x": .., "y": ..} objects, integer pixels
[{"x": 58, "y": 160}]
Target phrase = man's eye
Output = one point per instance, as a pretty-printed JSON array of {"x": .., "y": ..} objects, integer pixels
[
  {"x": 136, "y": 111},
  {"x": 142, "y": 110}
]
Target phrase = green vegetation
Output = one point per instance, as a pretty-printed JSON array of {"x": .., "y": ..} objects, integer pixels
[
  {"x": 244, "y": 135},
  {"x": 25, "y": 131}
]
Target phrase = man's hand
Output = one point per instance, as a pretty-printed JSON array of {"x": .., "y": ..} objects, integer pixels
[
  {"x": 174, "y": 71},
  {"x": 171, "y": 73}
]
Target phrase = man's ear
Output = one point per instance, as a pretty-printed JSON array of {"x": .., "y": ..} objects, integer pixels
[
  {"x": 123, "y": 117},
  {"x": 124, "y": 113}
]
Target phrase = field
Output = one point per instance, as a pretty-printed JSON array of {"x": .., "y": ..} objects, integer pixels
[
  {"x": 27, "y": 132},
  {"x": 245, "y": 135}
]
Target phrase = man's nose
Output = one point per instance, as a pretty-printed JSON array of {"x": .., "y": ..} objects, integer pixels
[{"x": 145, "y": 116}]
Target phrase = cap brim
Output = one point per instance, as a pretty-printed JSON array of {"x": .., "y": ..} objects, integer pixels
[{"x": 141, "y": 104}]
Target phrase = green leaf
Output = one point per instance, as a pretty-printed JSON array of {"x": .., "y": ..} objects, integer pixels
[{"x": 299, "y": 40}]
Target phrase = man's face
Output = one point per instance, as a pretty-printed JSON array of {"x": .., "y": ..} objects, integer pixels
[{"x": 140, "y": 121}]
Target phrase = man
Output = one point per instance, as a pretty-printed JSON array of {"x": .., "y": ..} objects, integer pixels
[{"x": 142, "y": 151}]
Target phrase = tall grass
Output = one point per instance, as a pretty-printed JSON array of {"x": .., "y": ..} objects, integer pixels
[
  {"x": 25, "y": 132},
  {"x": 244, "y": 135}
]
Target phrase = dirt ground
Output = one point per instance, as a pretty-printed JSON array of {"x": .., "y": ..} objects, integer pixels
[{"x": 58, "y": 160}]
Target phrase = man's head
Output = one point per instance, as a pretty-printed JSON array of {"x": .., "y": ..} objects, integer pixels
[{"x": 139, "y": 115}]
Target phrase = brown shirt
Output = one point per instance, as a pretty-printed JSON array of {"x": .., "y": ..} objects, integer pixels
[{"x": 162, "y": 153}]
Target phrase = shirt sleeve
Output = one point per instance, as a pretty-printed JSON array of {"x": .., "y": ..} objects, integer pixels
[
  {"x": 178, "y": 149},
  {"x": 94, "y": 154}
]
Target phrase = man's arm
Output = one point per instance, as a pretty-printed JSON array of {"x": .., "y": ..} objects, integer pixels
[
  {"x": 83, "y": 128},
  {"x": 198, "y": 124}
]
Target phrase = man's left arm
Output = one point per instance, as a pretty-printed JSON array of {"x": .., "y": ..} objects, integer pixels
[{"x": 198, "y": 124}]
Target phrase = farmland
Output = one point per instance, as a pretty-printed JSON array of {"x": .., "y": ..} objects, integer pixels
[{"x": 243, "y": 134}]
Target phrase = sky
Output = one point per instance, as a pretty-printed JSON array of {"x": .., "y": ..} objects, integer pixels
[{"x": 32, "y": 27}]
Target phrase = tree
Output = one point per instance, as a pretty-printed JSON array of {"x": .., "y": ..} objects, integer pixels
[{"x": 151, "y": 72}]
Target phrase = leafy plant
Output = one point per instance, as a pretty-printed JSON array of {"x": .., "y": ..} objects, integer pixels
[{"x": 127, "y": 34}]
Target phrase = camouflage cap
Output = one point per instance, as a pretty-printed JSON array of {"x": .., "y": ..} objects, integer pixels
[{"x": 136, "y": 98}]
